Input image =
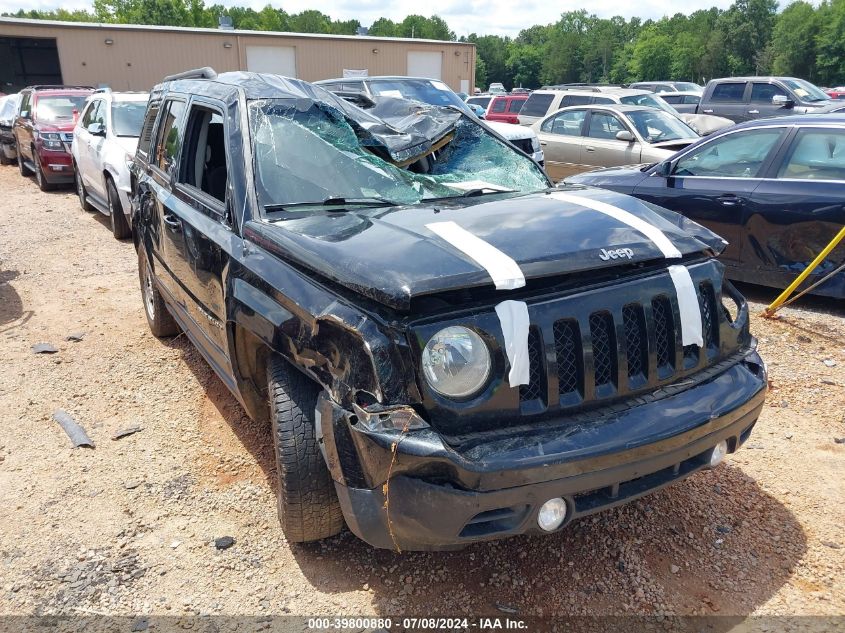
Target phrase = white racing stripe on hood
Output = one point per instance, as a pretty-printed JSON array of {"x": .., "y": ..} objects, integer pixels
[
  {"x": 506, "y": 275},
  {"x": 657, "y": 236},
  {"x": 684, "y": 287},
  {"x": 505, "y": 272}
]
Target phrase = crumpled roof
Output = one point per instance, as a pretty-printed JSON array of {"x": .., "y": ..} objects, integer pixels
[{"x": 403, "y": 129}]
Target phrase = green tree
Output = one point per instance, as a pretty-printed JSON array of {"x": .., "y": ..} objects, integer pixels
[
  {"x": 480, "y": 72},
  {"x": 748, "y": 26},
  {"x": 830, "y": 42},
  {"x": 652, "y": 58},
  {"x": 383, "y": 28}
]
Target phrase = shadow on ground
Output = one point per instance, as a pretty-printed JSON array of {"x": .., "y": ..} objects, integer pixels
[
  {"x": 714, "y": 544},
  {"x": 11, "y": 305}
]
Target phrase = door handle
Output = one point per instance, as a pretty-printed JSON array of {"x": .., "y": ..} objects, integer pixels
[
  {"x": 709, "y": 111},
  {"x": 753, "y": 112},
  {"x": 729, "y": 200},
  {"x": 590, "y": 148}
]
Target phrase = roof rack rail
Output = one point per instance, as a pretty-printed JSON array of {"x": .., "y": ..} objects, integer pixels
[
  {"x": 57, "y": 87},
  {"x": 104, "y": 89},
  {"x": 197, "y": 73}
]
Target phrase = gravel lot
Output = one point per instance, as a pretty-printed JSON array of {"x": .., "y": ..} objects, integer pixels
[{"x": 129, "y": 527}]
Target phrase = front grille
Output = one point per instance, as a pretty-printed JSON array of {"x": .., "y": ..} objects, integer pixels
[
  {"x": 608, "y": 345},
  {"x": 604, "y": 349}
]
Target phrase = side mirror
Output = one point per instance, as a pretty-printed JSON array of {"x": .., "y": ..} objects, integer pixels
[
  {"x": 664, "y": 169},
  {"x": 97, "y": 129},
  {"x": 24, "y": 114},
  {"x": 782, "y": 100},
  {"x": 625, "y": 135}
]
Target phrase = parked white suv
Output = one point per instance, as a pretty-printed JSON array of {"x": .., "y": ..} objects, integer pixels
[{"x": 103, "y": 148}]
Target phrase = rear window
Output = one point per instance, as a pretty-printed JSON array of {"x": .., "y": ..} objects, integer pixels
[
  {"x": 498, "y": 105},
  {"x": 515, "y": 105},
  {"x": 537, "y": 105},
  {"x": 731, "y": 92}
]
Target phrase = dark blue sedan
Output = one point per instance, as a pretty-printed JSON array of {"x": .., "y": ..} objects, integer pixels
[{"x": 773, "y": 188}]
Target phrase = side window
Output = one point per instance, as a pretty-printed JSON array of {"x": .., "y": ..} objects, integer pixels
[
  {"x": 26, "y": 100},
  {"x": 537, "y": 104},
  {"x": 693, "y": 99},
  {"x": 498, "y": 105},
  {"x": 574, "y": 100},
  {"x": 354, "y": 86},
  {"x": 99, "y": 115},
  {"x": 670, "y": 98},
  {"x": 738, "y": 155},
  {"x": 204, "y": 164},
  {"x": 565, "y": 123},
  {"x": 88, "y": 114},
  {"x": 603, "y": 125},
  {"x": 816, "y": 155},
  {"x": 763, "y": 93},
  {"x": 602, "y": 100},
  {"x": 169, "y": 138},
  {"x": 728, "y": 92},
  {"x": 146, "y": 139},
  {"x": 661, "y": 89}
]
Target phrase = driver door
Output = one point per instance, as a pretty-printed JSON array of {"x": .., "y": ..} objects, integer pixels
[{"x": 712, "y": 184}]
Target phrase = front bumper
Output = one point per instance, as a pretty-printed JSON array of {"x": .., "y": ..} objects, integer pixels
[
  {"x": 56, "y": 165},
  {"x": 431, "y": 495}
]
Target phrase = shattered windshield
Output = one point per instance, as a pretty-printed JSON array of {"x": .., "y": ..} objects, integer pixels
[{"x": 309, "y": 153}]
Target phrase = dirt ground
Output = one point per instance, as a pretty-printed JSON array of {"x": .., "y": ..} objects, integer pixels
[{"x": 128, "y": 528}]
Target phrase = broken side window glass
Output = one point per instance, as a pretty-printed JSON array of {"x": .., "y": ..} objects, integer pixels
[{"x": 309, "y": 153}]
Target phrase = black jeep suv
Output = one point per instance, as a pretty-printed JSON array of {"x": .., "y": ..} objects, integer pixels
[{"x": 449, "y": 349}]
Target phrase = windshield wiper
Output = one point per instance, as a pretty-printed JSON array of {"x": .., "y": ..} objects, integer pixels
[
  {"x": 334, "y": 201},
  {"x": 470, "y": 193}
]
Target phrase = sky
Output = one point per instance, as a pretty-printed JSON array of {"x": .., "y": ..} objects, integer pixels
[{"x": 485, "y": 17}]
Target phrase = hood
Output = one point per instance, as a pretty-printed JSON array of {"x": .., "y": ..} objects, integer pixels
[
  {"x": 389, "y": 255},
  {"x": 705, "y": 124},
  {"x": 624, "y": 176},
  {"x": 509, "y": 130}
]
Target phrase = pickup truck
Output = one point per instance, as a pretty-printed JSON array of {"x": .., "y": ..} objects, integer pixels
[{"x": 745, "y": 98}]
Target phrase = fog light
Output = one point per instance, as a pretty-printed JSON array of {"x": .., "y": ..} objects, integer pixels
[
  {"x": 552, "y": 513},
  {"x": 718, "y": 454}
]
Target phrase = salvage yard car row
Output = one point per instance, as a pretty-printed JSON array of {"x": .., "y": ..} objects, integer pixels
[{"x": 421, "y": 314}]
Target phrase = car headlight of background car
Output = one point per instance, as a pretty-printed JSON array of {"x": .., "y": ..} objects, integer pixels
[
  {"x": 51, "y": 140},
  {"x": 456, "y": 362}
]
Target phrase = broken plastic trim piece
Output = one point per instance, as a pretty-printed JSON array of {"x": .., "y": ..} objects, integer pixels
[
  {"x": 398, "y": 418},
  {"x": 75, "y": 432}
]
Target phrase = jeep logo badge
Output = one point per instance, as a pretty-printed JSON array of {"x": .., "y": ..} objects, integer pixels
[{"x": 616, "y": 253}]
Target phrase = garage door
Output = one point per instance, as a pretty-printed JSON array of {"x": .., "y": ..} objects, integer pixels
[
  {"x": 277, "y": 60},
  {"x": 425, "y": 64}
]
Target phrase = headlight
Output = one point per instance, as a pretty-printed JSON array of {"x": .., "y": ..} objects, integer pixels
[
  {"x": 456, "y": 362},
  {"x": 51, "y": 140}
]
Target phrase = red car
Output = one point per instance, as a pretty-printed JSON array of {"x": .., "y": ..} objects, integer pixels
[
  {"x": 504, "y": 108},
  {"x": 836, "y": 93},
  {"x": 43, "y": 132}
]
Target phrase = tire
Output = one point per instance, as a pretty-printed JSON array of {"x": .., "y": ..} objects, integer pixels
[
  {"x": 43, "y": 185},
  {"x": 4, "y": 160},
  {"x": 25, "y": 171},
  {"x": 307, "y": 502},
  {"x": 119, "y": 226},
  {"x": 160, "y": 320},
  {"x": 81, "y": 192}
]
